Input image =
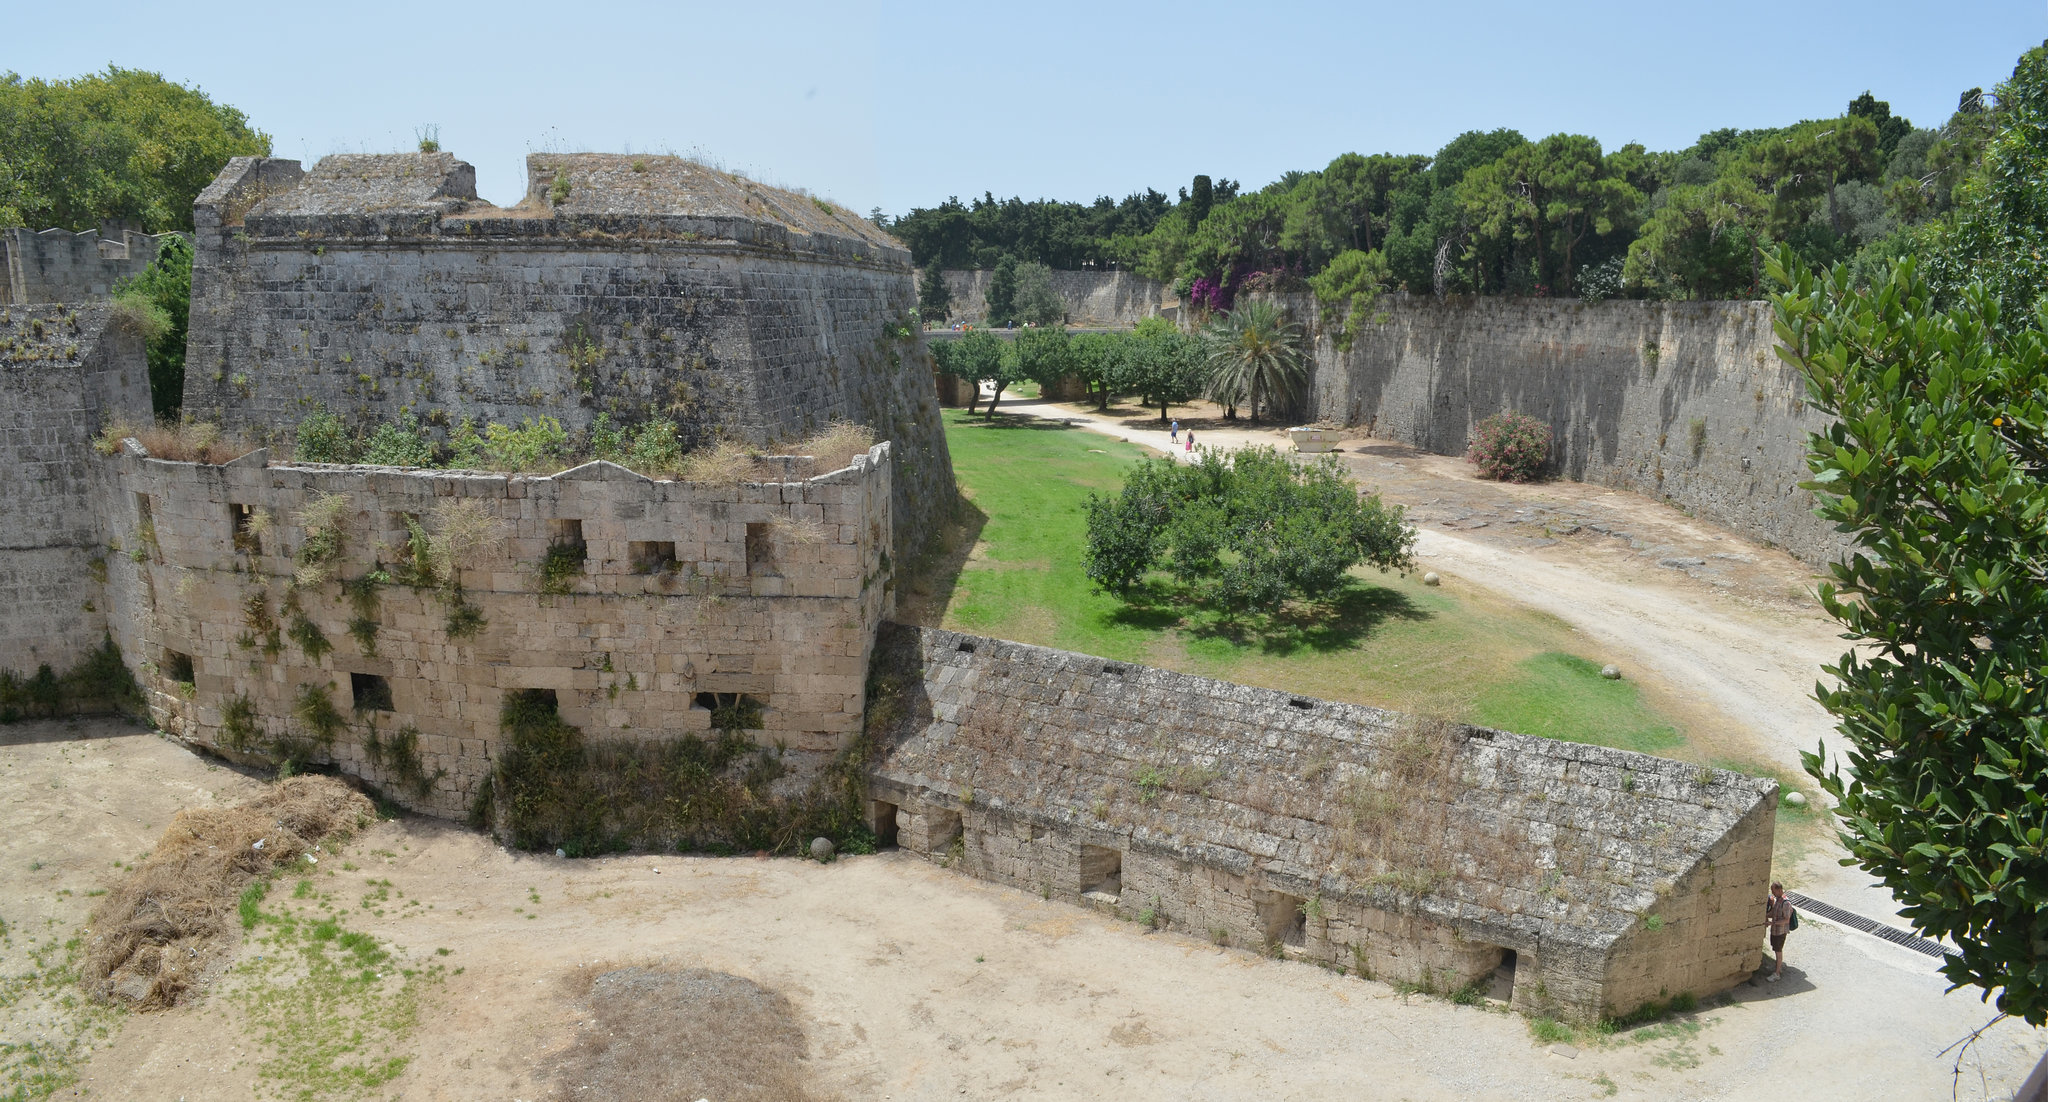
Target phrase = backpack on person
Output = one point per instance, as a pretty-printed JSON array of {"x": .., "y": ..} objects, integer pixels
[{"x": 1794, "y": 924}]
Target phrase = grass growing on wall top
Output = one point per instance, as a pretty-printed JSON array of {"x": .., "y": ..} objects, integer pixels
[{"x": 1386, "y": 640}]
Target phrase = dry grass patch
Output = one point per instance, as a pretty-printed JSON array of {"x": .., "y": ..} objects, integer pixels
[
  {"x": 836, "y": 445},
  {"x": 654, "y": 1034},
  {"x": 178, "y": 441},
  {"x": 173, "y": 918}
]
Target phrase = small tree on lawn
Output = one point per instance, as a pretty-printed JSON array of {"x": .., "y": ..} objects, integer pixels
[
  {"x": 1510, "y": 447},
  {"x": 1168, "y": 367},
  {"x": 972, "y": 357},
  {"x": 1245, "y": 529}
]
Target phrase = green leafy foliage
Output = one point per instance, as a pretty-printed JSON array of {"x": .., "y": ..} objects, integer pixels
[
  {"x": 1347, "y": 289},
  {"x": 534, "y": 444},
  {"x": 1248, "y": 528},
  {"x": 1001, "y": 296},
  {"x": 1934, "y": 465},
  {"x": 934, "y": 298},
  {"x": 165, "y": 289},
  {"x": 1256, "y": 359},
  {"x": 100, "y": 681},
  {"x": 1510, "y": 447},
  {"x": 123, "y": 144},
  {"x": 1035, "y": 302},
  {"x": 323, "y": 438}
]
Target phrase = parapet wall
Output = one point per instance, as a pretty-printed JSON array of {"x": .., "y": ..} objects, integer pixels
[
  {"x": 1095, "y": 300},
  {"x": 636, "y": 287},
  {"x": 62, "y": 266},
  {"x": 64, "y": 371},
  {"x": 770, "y": 591},
  {"x": 1682, "y": 401},
  {"x": 1413, "y": 851}
]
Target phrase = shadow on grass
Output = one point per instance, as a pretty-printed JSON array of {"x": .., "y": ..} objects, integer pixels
[
  {"x": 926, "y": 586},
  {"x": 1337, "y": 622},
  {"x": 1004, "y": 420}
]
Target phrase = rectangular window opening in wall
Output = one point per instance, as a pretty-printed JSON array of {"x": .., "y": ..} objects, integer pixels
[
  {"x": 371, "y": 692},
  {"x": 524, "y": 706},
  {"x": 942, "y": 829},
  {"x": 884, "y": 815},
  {"x": 1102, "y": 872},
  {"x": 651, "y": 556},
  {"x": 730, "y": 711},
  {"x": 568, "y": 534},
  {"x": 178, "y": 667},
  {"x": 143, "y": 513},
  {"x": 1282, "y": 918},
  {"x": 760, "y": 548},
  {"x": 246, "y": 538}
]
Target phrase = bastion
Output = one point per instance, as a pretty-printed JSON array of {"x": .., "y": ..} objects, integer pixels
[
  {"x": 380, "y": 287},
  {"x": 1567, "y": 879}
]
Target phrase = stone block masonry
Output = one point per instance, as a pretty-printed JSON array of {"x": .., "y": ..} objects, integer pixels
[
  {"x": 380, "y": 287},
  {"x": 64, "y": 372},
  {"x": 669, "y": 600},
  {"x": 1591, "y": 880},
  {"x": 1096, "y": 300},
  {"x": 1685, "y": 402},
  {"x": 62, "y": 266}
]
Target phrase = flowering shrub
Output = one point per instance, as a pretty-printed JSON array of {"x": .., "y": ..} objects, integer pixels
[{"x": 1510, "y": 447}]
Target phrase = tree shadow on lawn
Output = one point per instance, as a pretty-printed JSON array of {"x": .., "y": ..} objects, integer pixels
[
  {"x": 1336, "y": 622},
  {"x": 1006, "y": 421}
]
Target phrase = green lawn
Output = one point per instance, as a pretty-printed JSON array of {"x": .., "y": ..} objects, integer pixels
[{"x": 1385, "y": 640}]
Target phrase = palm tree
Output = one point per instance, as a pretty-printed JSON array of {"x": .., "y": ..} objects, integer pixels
[{"x": 1256, "y": 357}]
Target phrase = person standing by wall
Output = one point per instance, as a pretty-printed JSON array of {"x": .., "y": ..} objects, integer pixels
[{"x": 1779, "y": 916}]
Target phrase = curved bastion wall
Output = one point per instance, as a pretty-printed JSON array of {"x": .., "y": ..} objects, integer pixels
[
  {"x": 324, "y": 610},
  {"x": 380, "y": 287}
]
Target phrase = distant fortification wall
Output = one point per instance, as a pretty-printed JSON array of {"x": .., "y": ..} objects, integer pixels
[
  {"x": 1682, "y": 401},
  {"x": 1104, "y": 300},
  {"x": 681, "y": 597},
  {"x": 380, "y": 287},
  {"x": 64, "y": 371},
  {"x": 62, "y": 266}
]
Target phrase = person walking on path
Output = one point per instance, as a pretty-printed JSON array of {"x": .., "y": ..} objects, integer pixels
[
  {"x": 1778, "y": 914},
  {"x": 1191, "y": 443},
  {"x": 1173, "y": 434}
]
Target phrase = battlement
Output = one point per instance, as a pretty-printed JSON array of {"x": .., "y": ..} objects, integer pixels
[
  {"x": 576, "y": 198},
  {"x": 62, "y": 266}
]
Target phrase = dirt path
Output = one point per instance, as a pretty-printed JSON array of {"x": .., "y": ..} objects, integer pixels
[
  {"x": 1719, "y": 631},
  {"x": 912, "y": 982}
]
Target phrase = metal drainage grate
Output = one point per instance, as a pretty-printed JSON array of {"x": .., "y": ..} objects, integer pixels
[{"x": 1857, "y": 922}]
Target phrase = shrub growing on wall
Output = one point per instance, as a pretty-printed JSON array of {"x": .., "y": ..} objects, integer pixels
[{"x": 1511, "y": 447}]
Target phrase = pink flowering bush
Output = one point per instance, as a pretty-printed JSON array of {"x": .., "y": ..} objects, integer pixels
[{"x": 1510, "y": 447}]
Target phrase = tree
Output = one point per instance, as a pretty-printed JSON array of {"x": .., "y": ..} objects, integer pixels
[
  {"x": 1001, "y": 296},
  {"x": 165, "y": 286},
  {"x": 1547, "y": 197},
  {"x": 1035, "y": 301},
  {"x": 934, "y": 298},
  {"x": 1104, "y": 364},
  {"x": 1935, "y": 465},
  {"x": 1167, "y": 367},
  {"x": 1346, "y": 289},
  {"x": 1255, "y": 357},
  {"x": 2000, "y": 232},
  {"x": 1199, "y": 201},
  {"x": 973, "y": 357},
  {"x": 1245, "y": 530},
  {"x": 123, "y": 144},
  {"x": 1811, "y": 160},
  {"x": 1890, "y": 128},
  {"x": 1043, "y": 355},
  {"x": 1702, "y": 241}
]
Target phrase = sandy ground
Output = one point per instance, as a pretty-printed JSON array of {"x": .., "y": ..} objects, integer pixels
[{"x": 913, "y": 982}]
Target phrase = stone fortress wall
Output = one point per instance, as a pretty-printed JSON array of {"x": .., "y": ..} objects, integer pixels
[
  {"x": 1095, "y": 299},
  {"x": 1685, "y": 402},
  {"x": 770, "y": 591},
  {"x": 62, "y": 266},
  {"x": 1585, "y": 881},
  {"x": 380, "y": 287},
  {"x": 64, "y": 372}
]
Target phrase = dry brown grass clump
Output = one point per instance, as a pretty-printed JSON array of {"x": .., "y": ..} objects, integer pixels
[
  {"x": 655, "y": 1034},
  {"x": 174, "y": 917},
  {"x": 468, "y": 532},
  {"x": 1394, "y": 822},
  {"x": 178, "y": 441},
  {"x": 726, "y": 463},
  {"x": 834, "y": 446}
]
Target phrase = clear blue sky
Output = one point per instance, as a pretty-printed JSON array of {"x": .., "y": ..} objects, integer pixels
[{"x": 899, "y": 105}]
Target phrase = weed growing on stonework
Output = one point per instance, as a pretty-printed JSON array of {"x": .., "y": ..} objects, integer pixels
[
  {"x": 558, "y": 192},
  {"x": 401, "y": 754},
  {"x": 465, "y": 620},
  {"x": 238, "y": 722},
  {"x": 559, "y": 568},
  {"x": 100, "y": 681},
  {"x": 325, "y": 520},
  {"x": 314, "y": 709},
  {"x": 1550, "y": 1031},
  {"x": 308, "y": 636}
]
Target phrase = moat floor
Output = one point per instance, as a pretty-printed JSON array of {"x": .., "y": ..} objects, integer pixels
[{"x": 910, "y": 981}]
